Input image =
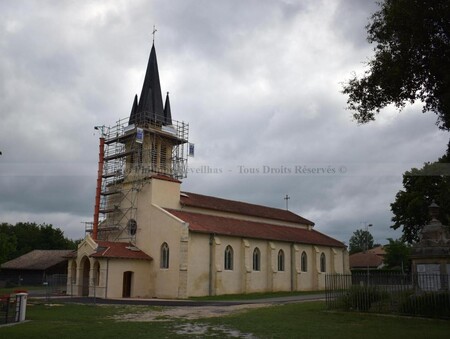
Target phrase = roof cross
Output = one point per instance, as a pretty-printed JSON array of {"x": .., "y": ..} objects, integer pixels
[
  {"x": 287, "y": 197},
  {"x": 153, "y": 33}
]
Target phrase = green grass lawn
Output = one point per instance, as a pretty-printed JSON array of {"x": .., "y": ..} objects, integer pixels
[
  {"x": 253, "y": 296},
  {"x": 300, "y": 320}
]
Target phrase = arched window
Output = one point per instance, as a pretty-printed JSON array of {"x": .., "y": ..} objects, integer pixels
[
  {"x": 164, "y": 255},
  {"x": 280, "y": 260},
  {"x": 256, "y": 259},
  {"x": 304, "y": 262},
  {"x": 323, "y": 263},
  {"x": 228, "y": 258}
]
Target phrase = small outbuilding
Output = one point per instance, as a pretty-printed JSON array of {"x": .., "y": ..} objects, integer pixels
[
  {"x": 35, "y": 267},
  {"x": 372, "y": 259}
]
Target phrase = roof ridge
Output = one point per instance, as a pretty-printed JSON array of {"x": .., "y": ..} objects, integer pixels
[
  {"x": 288, "y": 215},
  {"x": 207, "y": 223}
]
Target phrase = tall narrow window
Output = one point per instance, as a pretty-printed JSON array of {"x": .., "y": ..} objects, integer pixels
[
  {"x": 323, "y": 263},
  {"x": 154, "y": 156},
  {"x": 256, "y": 259},
  {"x": 163, "y": 159},
  {"x": 164, "y": 255},
  {"x": 304, "y": 262},
  {"x": 228, "y": 258},
  {"x": 136, "y": 157},
  {"x": 280, "y": 260}
]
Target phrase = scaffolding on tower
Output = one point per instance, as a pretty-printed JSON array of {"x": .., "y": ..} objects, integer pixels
[{"x": 130, "y": 156}]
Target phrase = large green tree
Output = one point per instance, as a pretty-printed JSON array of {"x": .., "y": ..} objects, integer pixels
[
  {"x": 8, "y": 242},
  {"x": 411, "y": 61},
  {"x": 361, "y": 240},
  {"x": 422, "y": 187},
  {"x": 397, "y": 255},
  {"x": 23, "y": 237}
]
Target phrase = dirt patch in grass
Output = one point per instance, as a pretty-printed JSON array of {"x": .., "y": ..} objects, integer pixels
[
  {"x": 185, "y": 313},
  {"x": 188, "y": 315}
]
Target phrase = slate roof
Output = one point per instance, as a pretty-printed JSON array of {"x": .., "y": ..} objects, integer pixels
[
  {"x": 238, "y": 207},
  {"x": 37, "y": 260},
  {"x": 119, "y": 250},
  {"x": 204, "y": 223},
  {"x": 150, "y": 104}
]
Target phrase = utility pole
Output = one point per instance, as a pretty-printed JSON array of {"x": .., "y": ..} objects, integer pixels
[{"x": 367, "y": 249}]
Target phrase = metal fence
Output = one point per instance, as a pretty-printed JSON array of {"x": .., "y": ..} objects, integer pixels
[
  {"x": 7, "y": 309},
  {"x": 410, "y": 294},
  {"x": 57, "y": 284},
  {"x": 13, "y": 308}
]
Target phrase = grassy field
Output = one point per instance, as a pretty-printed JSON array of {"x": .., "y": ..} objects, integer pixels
[
  {"x": 300, "y": 320},
  {"x": 253, "y": 296}
]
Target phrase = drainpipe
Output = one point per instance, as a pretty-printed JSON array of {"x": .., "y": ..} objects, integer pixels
[
  {"x": 106, "y": 283},
  {"x": 292, "y": 266},
  {"x": 211, "y": 264}
]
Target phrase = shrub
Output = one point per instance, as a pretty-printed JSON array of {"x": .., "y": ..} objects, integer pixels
[
  {"x": 431, "y": 304},
  {"x": 360, "y": 298}
]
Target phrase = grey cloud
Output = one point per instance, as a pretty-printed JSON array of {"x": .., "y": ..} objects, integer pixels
[{"x": 258, "y": 81}]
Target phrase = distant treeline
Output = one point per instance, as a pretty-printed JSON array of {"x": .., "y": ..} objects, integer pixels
[{"x": 23, "y": 237}]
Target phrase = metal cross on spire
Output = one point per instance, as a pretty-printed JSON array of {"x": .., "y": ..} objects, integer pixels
[
  {"x": 287, "y": 197},
  {"x": 153, "y": 33}
]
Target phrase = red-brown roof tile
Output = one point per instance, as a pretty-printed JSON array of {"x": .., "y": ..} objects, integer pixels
[
  {"x": 204, "y": 223},
  {"x": 119, "y": 250},
  {"x": 379, "y": 250},
  {"x": 238, "y": 207},
  {"x": 361, "y": 260}
]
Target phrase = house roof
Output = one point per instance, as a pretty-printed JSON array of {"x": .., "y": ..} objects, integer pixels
[
  {"x": 379, "y": 250},
  {"x": 119, "y": 250},
  {"x": 231, "y": 206},
  {"x": 362, "y": 259},
  {"x": 37, "y": 260},
  {"x": 204, "y": 223}
]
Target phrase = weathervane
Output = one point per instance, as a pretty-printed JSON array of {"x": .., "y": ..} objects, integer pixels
[{"x": 154, "y": 31}]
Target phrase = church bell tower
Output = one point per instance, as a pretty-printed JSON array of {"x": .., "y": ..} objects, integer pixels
[
  {"x": 158, "y": 137},
  {"x": 146, "y": 144}
]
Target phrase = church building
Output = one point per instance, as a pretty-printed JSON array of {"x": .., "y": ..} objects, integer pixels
[{"x": 151, "y": 239}]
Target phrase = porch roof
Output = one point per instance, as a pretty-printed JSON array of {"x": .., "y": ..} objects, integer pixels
[{"x": 119, "y": 250}]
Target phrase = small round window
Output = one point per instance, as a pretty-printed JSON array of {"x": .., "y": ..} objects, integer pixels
[{"x": 132, "y": 226}]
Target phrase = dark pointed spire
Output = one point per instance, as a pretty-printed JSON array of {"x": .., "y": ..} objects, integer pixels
[
  {"x": 167, "y": 112},
  {"x": 150, "y": 107},
  {"x": 132, "y": 119}
]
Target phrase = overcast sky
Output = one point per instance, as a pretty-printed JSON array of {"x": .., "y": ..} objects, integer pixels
[{"x": 259, "y": 83}]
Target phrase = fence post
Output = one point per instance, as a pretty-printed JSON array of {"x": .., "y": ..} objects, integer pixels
[{"x": 21, "y": 306}]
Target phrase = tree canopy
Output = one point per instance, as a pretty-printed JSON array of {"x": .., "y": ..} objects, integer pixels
[
  {"x": 411, "y": 61},
  {"x": 397, "y": 255},
  {"x": 21, "y": 238},
  {"x": 361, "y": 240},
  {"x": 422, "y": 187}
]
